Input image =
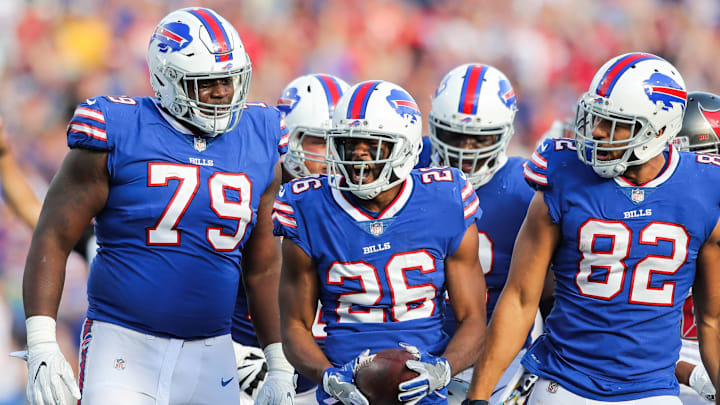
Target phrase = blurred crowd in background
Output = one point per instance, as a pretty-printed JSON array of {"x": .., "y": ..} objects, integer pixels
[{"x": 56, "y": 53}]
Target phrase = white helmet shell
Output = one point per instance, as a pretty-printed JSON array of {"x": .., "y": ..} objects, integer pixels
[
  {"x": 379, "y": 111},
  {"x": 639, "y": 90},
  {"x": 308, "y": 104},
  {"x": 196, "y": 44}
]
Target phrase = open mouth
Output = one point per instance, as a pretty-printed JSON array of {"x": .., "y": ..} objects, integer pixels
[
  {"x": 604, "y": 155},
  {"x": 361, "y": 173}
]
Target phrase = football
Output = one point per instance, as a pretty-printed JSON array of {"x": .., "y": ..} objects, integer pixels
[{"x": 378, "y": 378}]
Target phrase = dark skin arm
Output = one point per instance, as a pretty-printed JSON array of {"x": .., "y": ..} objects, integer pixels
[
  {"x": 706, "y": 300},
  {"x": 77, "y": 193},
  {"x": 464, "y": 278},
  {"x": 299, "y": 292},
  {"x": 515, "y": 312},
  {"x": 261, "y": 269}
]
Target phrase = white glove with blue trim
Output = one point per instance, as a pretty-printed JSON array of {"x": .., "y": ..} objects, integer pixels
[
  {"x": 340, "y": 382},
  {"x": 434, "y": 375}
]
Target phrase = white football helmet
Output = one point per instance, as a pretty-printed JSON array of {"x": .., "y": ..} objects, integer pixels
[
  {"x": 191, "y": 45},
  {"x": 379, "y": 111},
  {"x": 640, "y": 90},
  {"x": 473, "y": 99},
  {"x": 308, "y": 103}
]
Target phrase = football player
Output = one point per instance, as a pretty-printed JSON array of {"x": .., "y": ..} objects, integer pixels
[
  {"x": 378, "y": 243},
  {"x": 699, "y": 134},
  {"x": 307, "y": 104},
  {"x": 625, "y": 249},
  {"x": 471, "y": 124},
  {"x": 181, "y": 187}
]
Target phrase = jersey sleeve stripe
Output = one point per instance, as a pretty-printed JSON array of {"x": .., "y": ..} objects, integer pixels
[
  {"x": 284, "y": 140},
  {"x": 88, "y": 130},
  {"x": 534, "y": 177},
  {"x": 540, "y": 161},
  {"x": 90, "y": 114},
  {"x": 282, "y": 124},
  {"x": 467, "y": 191},
  {"x": 471, "y": 208},
  {"x": 283, "y": 220},
  {"x": 286, "y": 208}
]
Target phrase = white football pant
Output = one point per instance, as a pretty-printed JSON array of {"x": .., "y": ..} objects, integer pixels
[
  {"x": 121, "y": 366},
  {"x": 548, "y": 392}
]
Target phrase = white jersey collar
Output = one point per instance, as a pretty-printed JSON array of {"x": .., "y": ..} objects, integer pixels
[
  {"x": 673, "y": 159},
  {"x": 359, "y": 215}
]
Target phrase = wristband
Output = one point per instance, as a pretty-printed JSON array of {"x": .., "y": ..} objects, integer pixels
[
  {"x": 40, "y": 329},
  {"x": 475, "y": 402},
  {"x": 276, "y": 358}
]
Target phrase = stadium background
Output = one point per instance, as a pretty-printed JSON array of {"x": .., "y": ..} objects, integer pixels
[{"x": 56, "y": 53}]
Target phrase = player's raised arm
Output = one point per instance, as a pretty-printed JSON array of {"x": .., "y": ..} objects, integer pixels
[
  {"x": 16, "y": 190},
  {"x": 464, "y": 279},
  {"x": 519, "y": 300},
  {"x": 78, "y": 191},
  {"x": 706, "y": 298}
]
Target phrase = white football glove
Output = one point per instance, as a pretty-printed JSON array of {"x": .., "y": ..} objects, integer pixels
[
  {"x": 434, "y": 375},
  {"x": 339, "y": 382},
  {"x": 700, "y": 382},
  {"x": 279, "y": 386},
  {"x": 48, "y": 371},
  {"x": 251, "y": 368}
]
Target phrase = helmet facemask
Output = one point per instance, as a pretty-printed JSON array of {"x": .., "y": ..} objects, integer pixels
[
  {"x": 479, "y": 164},
  {"x": 388, "y": 151},
  {"x": 298, "y": 155},
  {"x": 592, "y": 110},
  {"x": 213, "y": 119}
]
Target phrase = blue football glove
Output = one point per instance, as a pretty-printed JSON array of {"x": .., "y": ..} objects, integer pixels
[
  {"x": 434, "y": 375},
  {"x": 340, "y": 382}
]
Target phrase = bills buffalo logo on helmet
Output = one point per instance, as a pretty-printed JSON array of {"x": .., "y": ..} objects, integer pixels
[
  {"x": 403, "y": 104},
  {"x": 172, "y": 36},
  {"x": 662, "y": 88},
  {"x": 507, "y": 94},
  {"x": 443, "y": 86},
  {"x": 287, "y": 102}
]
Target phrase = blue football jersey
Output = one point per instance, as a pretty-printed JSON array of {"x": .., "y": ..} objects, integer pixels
[
  {"x": 179, "y": 209},
  {"x": 504, "y": 201},
  {"x": 623, "y": 267},
  {"x": 382, "y": 274}
]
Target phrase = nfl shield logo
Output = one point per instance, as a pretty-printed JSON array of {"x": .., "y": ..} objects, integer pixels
[
  {"x": 376, "y": 228},
  {"x": 119, "y": 364},
  {"x": 553, "y": 387},
  {"x": 637, "y": 195},
  {"x": 200, "y": 144}
]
